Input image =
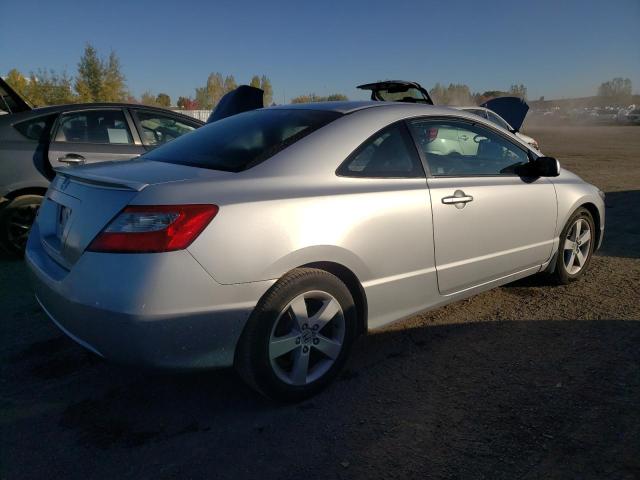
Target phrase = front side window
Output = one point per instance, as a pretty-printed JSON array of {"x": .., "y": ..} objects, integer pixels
[
  {"x": 94, "y": 126},
  {"x": 241, "y": 141},
  {"x": 157, "y": 129},
  {"x": 389, "y": 153},
  {"x": 454, "y": 148}
]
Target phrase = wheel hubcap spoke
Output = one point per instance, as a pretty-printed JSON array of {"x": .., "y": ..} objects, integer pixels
[
  {"x": 330, "y": 348},
  {"x": 326, "y": 313},
  {"x": 299, "y": 309},
  {"x": 280, "y": 346},
  {"x": 300, "y": 368}
]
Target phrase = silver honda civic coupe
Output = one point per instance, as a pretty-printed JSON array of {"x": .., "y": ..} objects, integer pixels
[{"x": 269, "y": 240}]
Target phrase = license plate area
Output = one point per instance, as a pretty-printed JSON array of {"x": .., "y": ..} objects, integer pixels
[{"x": 64, "y": 213}]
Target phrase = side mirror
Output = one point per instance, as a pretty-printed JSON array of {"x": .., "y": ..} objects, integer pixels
[{"x": 546, "y": 167}]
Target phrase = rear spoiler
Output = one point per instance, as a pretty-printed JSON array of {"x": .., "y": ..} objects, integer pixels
[
  {"x": 10, "y": 100},
  {"x": 80, "y": 175}
]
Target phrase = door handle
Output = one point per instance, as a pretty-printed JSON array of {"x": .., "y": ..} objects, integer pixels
[
  {"x": 72, "y": 159},
  {"x": 464, "y": 138},
  {"x": 459, "y": 199}
]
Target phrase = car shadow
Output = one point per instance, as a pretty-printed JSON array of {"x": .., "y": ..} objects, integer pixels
[
  {"x": 499, "y": 399},
  {"x": 622, "y": 225}
]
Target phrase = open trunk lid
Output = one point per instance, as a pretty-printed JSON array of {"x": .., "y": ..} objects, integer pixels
[
  {"x": 10, "y": 100},
  {"x": 512, "y": 109},
  {"x": 242, "y": 99},
  {"x": 398, "y": 91},
  {"x": 81, "y": 201}
]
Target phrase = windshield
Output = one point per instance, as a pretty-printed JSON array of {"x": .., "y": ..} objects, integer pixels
[{"x": 241, "y": 141}]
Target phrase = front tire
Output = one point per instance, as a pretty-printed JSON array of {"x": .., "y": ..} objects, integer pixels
[
  {"x": 16, "y": 219},
  {"x": 577, "y": 242},
  {"x": 299, "y": 335}
]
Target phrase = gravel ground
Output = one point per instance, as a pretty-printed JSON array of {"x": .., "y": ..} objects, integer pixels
[{"x": 526, "y": 381}]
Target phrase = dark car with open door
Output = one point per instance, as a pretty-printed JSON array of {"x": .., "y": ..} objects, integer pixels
[{"x": 34, "y": 141}]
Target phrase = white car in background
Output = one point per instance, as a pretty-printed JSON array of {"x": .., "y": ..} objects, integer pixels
[
  {"x": 496, "y": 119},
  {"x": 506, "y": 112}
]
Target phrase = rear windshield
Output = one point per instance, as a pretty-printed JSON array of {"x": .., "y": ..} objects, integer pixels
[{"x": 241, "y": 141}]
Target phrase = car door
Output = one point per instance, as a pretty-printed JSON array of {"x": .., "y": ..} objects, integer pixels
[
  {"x": 157, "y": 128},
  {"x": 93, "y": 135},
  {"x": 488, "y": 221}
]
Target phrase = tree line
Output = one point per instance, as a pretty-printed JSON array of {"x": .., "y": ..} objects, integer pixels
[{"x": 100, "y": 79}]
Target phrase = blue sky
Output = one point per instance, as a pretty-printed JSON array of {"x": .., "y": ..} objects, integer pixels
[{"x": 556, "y": 48}]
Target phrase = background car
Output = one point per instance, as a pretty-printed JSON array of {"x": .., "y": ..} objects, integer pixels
[
  {"x": 269, "y": 240},
  {"x": 493, "y": 117},
  {"x": 514, "y": 108},
  {"x": 34, "y": 141}
]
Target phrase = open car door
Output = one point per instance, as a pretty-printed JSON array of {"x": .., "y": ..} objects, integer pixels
[
  {"x": 398, "y": 91},
  {"x": 10, "y": 100},
  {"x": 242, "y": 99},
  {"x": 512, "y": 109}
]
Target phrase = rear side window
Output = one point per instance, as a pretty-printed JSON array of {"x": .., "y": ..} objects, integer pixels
[
  {"x": 241, "y": 141},
  {"x": 36, "y": 128},
  {"x": 390, "y": 153},
  {"x": 94, "y": 126}
]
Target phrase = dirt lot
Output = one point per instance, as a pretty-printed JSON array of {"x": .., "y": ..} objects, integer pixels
[{"x": 527, "y": 381}]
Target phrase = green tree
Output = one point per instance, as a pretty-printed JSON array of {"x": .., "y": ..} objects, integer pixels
[
  {"x": 49, "y": 88},
  {"x": 616, "y": 90},
  {"x": 229, "y": 84},
  {"x": 202, "y": 98},
  {"x": 114, "y": 88},
  {"x": 255, "y": 81},
  {"x": 519, "y": 90},
  {"x": 17, "y": 81},
  {"x": 312, "y": 97},
  {"x": 265, "y": 85},
  {"x": 186, "y": 103},
  {"x": 148, "y": 98},
  {"x": 89, "y": 80},
  {"x": 163, "y": 100},
  {"x": 439, "y": 94}
]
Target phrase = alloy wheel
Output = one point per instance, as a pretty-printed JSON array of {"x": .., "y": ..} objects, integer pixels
[
  {"x": 307, "y": 338},
  {"x": 19, "y": 225},
  {"x": 577, "y": 246}
]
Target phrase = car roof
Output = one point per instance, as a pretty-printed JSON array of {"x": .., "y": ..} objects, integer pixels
[
  {"x": 69, "y": 107},
  {"x": 354, "y": 106}
]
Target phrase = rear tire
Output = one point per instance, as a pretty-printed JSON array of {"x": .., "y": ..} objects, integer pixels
[
  {"x": 298, "y": 337},
  {"x": 575, "y": 250},
  {"x": 16, "y": 219}
]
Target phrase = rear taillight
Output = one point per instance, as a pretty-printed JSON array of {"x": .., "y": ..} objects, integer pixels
[{"x": 154, "y": 228}]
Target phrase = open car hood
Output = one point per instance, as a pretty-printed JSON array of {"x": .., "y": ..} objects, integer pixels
[
  {"x": 392, "y": 90},
  {"x": 10, "y": 100},
  {"x": 242, "y": 99},
  {"x": 512, "y": 109}
]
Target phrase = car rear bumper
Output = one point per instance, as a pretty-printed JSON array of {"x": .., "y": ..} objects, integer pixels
[{"x": 158, "y": 310}]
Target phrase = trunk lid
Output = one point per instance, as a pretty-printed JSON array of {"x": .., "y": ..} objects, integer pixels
[
  {"x": 81, "y": 201},
  {"x": 398, "y": 91},
  {"x": 10, "y": 100},
  {"x": 512, "y": 109},
  {"x": 242, "y": 99}
]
